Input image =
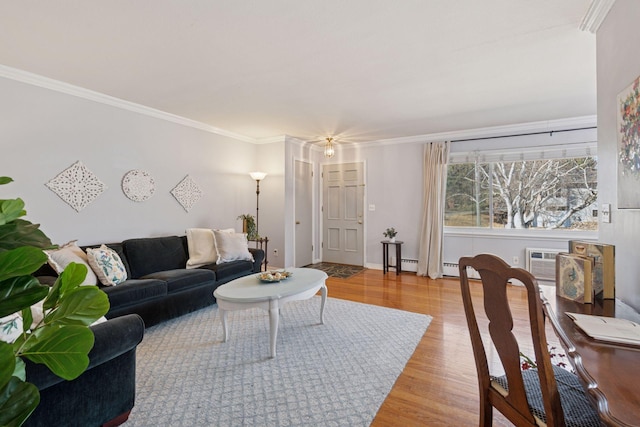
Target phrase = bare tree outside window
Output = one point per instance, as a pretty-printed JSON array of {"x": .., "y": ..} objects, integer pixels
[{"x": 537, "y": 194}]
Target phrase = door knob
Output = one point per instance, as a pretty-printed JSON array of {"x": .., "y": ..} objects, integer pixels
[
  {"x": 360, "y": 222},
  {"x": 297, "y": 222}
]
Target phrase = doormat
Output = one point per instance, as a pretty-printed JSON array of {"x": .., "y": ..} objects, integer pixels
[{"x": 340, "y": 271}]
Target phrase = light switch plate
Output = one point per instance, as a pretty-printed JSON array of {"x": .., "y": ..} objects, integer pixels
[
  {"x": 372, "y": 207},
  {"x": 606, "y": 212}
]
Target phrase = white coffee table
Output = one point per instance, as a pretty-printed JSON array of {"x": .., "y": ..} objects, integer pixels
[{"x": 249, "y": 292}]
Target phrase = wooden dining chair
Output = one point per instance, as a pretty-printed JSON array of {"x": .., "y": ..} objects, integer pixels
[{"x": 546, "y": 395}]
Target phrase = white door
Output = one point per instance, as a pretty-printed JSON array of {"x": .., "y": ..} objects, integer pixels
[
  {"x": 342, "y": 213},
  {"x": 303, "y": 213}
]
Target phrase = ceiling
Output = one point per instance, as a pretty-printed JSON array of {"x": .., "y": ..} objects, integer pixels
[{"x": 361, "y": 70}]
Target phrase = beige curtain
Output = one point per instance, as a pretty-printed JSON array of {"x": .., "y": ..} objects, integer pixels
[{"x": 436, "y": 155}]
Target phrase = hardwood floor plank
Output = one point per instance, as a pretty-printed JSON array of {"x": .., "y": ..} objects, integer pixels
[{"x": 438, "y": 386}]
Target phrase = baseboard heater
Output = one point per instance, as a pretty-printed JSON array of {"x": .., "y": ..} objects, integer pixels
[
  {"x": 452, "y": 269},
  {"x": 408, "y": 264}
]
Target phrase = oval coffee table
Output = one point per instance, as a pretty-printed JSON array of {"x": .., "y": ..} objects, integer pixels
[{"x": 249, "y": 292}]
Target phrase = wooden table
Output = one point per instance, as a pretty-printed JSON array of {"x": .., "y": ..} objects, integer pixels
[
  {"x": 610, "y": 373},
  {"x": 385, "y": 256}
]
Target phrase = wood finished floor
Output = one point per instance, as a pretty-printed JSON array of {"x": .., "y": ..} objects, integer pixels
[{"x": 438, "y": 387}]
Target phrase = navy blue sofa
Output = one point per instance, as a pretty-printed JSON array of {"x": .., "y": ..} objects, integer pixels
[
  {"x": 104, "y": 394},
  {"x": 159, "y": 287}
]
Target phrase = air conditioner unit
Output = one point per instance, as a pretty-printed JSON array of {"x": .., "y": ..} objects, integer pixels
[{"x": 542, "y": 263}]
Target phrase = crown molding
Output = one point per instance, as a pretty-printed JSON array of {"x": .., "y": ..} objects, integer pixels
[
  {"x": 271, "y": 140},
  {"x": 540, "y": 126},
  {"x": 47, "y": 83},
  {"x": 69, "y": 89},
  {"x": 597, "y": 12},
  {"x": 486, "y": 132}
]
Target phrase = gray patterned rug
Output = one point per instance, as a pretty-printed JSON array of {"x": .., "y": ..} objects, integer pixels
[{"x": 336, "y": 374}]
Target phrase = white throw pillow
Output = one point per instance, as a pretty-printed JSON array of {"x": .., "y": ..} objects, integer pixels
[
  {"x": 70, "y": 252},
  {"x": 202, "y": 246},
  {"x": 107, "y": 265},
  {"x": 231, "y": 246}
]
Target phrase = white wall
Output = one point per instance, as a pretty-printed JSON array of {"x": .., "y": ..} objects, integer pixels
[
  {"x": 43, "y": 131},
  {"x": 618, "y": 64},
  {"x": 270, "y": 159}
]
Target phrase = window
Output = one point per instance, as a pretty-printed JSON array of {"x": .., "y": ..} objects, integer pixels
[{"x": 525, "y": 194}]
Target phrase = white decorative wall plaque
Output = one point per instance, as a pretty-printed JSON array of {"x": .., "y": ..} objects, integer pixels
[
  {"x": 187, "y": 193},
  {"x": 138, "y": 185},
  {"x": 77, "y": 186}
]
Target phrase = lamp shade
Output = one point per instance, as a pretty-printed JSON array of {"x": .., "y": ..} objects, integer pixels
[{"x": 258, "y": 176}]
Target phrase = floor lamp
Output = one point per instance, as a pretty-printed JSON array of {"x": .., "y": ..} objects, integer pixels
[{"x": 257, "y": 176}]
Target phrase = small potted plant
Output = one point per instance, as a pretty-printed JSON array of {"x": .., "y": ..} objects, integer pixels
[
  {"x": 249, "y": 226},
  {"x": 390, "y": 234}
]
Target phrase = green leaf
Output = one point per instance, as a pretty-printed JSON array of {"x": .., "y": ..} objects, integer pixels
[
  {"x": 72, "y": 277},
  {"x": 19, "y": 293},
  {"x": 64, "y": 349},
  {"x": 11, "y": 210},
  {"x": 22, "y": 233},
  {"x": 21, "y": 369},
  {"x": 54, "y": 295},
  {"x": 20, "y": 261},
  {"x": 7, "y": 363},
  {"x": 27, "y": 318},
  {"x": 5, "y": 180},
  {"x": 18, "y": 399},
  {"x": 82, "y": 306}
]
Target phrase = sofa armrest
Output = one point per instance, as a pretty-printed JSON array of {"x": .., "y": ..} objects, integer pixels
[
  {"x": 112, "y": 338},
  {"x": 258, "y": 259}
]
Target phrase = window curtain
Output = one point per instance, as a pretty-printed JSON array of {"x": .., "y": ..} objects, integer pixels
[{"x": 436, "y": 155}]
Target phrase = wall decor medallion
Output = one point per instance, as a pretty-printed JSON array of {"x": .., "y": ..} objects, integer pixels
[
  {"x": 629, "y": 146},
  {"x": 187, "y": 193},
  {"x": 138, "y": 185},
  {"x": 77, "y": 186}
]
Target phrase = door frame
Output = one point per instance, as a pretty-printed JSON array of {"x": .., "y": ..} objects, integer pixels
[{"x": 314, "y": 209}]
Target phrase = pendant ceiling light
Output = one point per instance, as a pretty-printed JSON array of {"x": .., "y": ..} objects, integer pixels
[{"x": 329, "y": 151}]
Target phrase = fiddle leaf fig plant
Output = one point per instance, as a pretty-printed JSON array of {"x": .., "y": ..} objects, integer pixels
[{"x": 62, "y": 339}]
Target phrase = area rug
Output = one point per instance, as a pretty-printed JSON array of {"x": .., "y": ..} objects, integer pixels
[
  {"x": 332, "y": 374},
  {"x": 340, "y": 271}
]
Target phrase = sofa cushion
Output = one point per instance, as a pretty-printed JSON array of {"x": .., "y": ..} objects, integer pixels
[
  {"x": 153, "y": 254},
  {"x": 230, "y": 270},
  {"x": 181, "y": 279},
  {"x": 135, "y": 291}
]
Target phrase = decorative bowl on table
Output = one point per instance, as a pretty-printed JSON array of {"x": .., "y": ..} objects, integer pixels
[{"x": 274, "y": 276}]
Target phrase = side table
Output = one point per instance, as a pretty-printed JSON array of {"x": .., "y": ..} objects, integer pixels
[
  {"x": 385, "y": 256},
  {"x": 262, "y": 243}
]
